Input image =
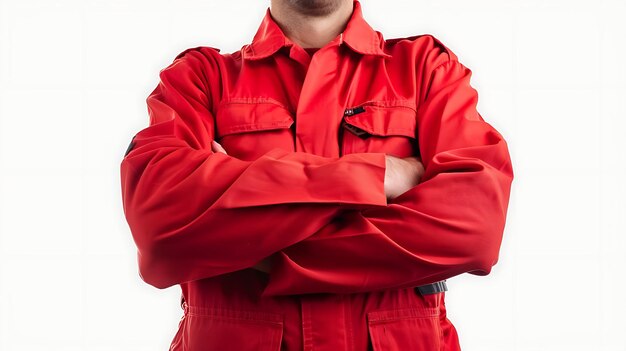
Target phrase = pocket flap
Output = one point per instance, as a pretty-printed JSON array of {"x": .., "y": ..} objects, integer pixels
[
  {"x": 385, "y": 120},
  {"x": 248, "y": 117}
]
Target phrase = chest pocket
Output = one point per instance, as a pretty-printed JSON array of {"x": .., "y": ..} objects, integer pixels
[
  {"x": 376, "y": 128},
  {"x": 248, "y": 130}
]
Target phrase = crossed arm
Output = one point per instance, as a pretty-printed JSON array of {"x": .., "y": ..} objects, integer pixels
[
  {"x": 401, "y": 174},
  {"x": 196, "y": 213}
]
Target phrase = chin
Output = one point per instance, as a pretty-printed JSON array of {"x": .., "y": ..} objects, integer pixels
[{"x": 315, "y": 7}]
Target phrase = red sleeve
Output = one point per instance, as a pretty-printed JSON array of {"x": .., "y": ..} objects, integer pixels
[
  {"x": 195, "y": 214},
  {"x": 450, "y": 223}
]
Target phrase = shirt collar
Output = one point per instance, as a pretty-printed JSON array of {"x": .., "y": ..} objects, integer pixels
[{"x": 358, "y": 35}]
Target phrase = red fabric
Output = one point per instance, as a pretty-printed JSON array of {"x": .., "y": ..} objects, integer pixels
[{"x": 303, "y": 184}]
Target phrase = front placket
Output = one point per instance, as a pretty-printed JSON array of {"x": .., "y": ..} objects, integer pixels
[
  {"x": 318, "y": 118},
  {"x": 325, "y": 322},
  {"x": 319, "y": 112}
]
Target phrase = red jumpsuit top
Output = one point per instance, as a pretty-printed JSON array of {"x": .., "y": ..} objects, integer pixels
[{"x": 303, "y": 183}]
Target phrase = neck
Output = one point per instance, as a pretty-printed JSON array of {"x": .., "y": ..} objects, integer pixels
[{"x": 310, "y": 31}]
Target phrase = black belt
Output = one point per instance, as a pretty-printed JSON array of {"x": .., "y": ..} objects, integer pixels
[{"x": 432, "y": 288}]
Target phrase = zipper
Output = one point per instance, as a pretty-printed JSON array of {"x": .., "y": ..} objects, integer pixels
[
  {"x": 354, "y": 129},
  {"x": 354, "y": 111}
]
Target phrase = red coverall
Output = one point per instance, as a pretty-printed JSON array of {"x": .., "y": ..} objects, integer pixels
[{"x": 303, "y": 183}]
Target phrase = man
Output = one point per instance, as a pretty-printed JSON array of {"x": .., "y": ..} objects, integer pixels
[{"x": 315, "y": 189}]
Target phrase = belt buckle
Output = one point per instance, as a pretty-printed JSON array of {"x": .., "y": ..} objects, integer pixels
[{"x": 432, "y": 288}]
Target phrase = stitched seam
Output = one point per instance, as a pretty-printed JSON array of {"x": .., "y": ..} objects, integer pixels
[
  {"x": 401, "y": 314},
  {"x": 430, "y": 81},
  {"x": 238, "y": 319},
  {"x": 252, "y": 100},
  {"x": 389, "y": 103},
  {"x": 262, "y": 316}
]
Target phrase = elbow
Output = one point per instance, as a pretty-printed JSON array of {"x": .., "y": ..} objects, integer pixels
[
  {"x": 154, "y": 270},
  {"x": 482, "y": 260},
  {"x": 152, "y": 275},
  {"x": 482, "y": 265},
  {"x": 487, "y": 250},
  {"x": 169, "y": 258},
  {"x": 148, "y": 230},
  {"x": 492, "y": 222},
  {"x": 153, "y": 241}
]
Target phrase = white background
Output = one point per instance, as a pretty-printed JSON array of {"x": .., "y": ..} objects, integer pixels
[{"x": 74, "y": 76}]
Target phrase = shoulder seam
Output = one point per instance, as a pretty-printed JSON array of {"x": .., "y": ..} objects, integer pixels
[
  {"x": 411, "y": 37},
  {"x": 436, "y": 41},
  {"x": 195, "y": 48}
]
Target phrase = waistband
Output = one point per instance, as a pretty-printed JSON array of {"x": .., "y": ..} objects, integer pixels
[{"x": 432, "y": 288}]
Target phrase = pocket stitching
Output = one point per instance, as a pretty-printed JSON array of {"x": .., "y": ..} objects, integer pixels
[
  {"x": 383, "y": 316},
  {"x": 233, "y": 314},
  {"x": 279, "y": 117}
]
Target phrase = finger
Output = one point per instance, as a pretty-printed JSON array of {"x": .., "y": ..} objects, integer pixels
[{"x": 217, "y": 147}]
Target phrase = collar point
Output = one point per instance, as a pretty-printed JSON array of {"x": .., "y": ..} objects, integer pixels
[{"x": 249, "y": 53}]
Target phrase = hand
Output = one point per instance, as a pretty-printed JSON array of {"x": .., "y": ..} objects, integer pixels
[{"x": 402, "y": 174}]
